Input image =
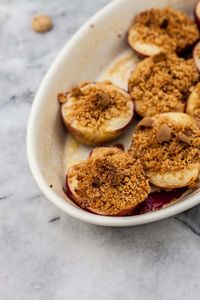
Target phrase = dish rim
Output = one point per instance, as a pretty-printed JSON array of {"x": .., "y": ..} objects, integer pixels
[{"x": 31, "y": 141}]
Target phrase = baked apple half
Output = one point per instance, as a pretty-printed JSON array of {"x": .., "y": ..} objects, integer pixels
[
  {"x": 193, "y": 104},
  {"x": 110, "y": 183},
  {"x": 162, "y": 83},
  {"x": 162, "y": 30},
  {"x": 96, "y": 112},
  {"x": 169, "y": 147}
]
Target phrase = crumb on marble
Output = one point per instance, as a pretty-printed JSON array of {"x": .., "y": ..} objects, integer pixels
[{"x": 42, "y": 23}]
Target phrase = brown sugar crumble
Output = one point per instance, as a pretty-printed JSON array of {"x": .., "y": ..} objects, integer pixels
[
  {"x": 162, "y": 83},
  {"x": 181, "y": 148},
  {"x": 167, "y": 28},
  {"x": 110, "y": 182},
  {"x": 95, "y": 103}
]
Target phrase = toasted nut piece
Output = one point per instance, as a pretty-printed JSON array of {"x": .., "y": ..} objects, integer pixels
[
  {"x": 62, "y": 98},
  {"x": 163, "y": 134},
  {"x": 146, "y": 122},
  {"x": 76, "y": 91},
  {"x": 42, "y": 23},
  {"x": 102, "y": 101},
  {"x": 108, "y": 82},
  {"x": 184, "y": 138},
  {"x": 159, "y": 57}
]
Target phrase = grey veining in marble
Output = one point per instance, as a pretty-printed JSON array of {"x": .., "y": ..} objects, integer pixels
[{"x": 44, "y": 254}]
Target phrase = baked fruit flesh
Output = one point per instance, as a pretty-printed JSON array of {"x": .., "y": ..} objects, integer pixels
[{"x": 96, "y": 112}]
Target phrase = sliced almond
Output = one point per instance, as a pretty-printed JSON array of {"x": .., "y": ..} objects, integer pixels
[
  {"x": 184, "y": 138},
  {"x": 146, "y": 122},
  {"x": 163, "y": 134}
]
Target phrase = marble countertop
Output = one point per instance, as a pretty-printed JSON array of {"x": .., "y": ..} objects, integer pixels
[{"x": 44, "y": 254}]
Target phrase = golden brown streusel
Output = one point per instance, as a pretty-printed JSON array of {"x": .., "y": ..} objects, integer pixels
[
  {"x": 171, "y": 30},
  {"x": 95, "y": 103},
  {"x": 110, "y": 182},
  {"x": 178, "y": 153},
  {"x": 162, "y": 83}
]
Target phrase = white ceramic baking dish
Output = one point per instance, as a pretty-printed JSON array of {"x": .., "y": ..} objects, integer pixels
[{"x": 86, "y": 57}]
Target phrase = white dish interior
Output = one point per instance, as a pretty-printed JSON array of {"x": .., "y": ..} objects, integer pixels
[{"x": 98, "y": 51}]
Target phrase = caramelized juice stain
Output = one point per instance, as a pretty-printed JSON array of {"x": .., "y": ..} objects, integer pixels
[
  {"x": 120, "y": 69},
  {"x": 73, "y": 145},
  {"x": 123, "y": 63}
]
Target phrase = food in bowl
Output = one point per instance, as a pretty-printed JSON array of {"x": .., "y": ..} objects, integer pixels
[
  {"x": 157, "y": 30},
  {"x": 162, "y": 163},
  {"x": 110, "y": 182},
  {"x": 96, "y": 112},
  {"x": 162, "y": 83},
  {"x": 169, "y": 148}
]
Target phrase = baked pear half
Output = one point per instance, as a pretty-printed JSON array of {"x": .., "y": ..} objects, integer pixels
[
  {"x": 162, "y": 30},
  {"x": 96, "y": 112},
  {"x": 168, "y": 145},
  {"x": 110, "y": 183}
]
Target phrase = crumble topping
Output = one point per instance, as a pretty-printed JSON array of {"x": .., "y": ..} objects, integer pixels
[
  {"x": 162, "y": 83},
  {"x": 94, "y": 103},
  {"x": 167, "y": 28},
  {"x": 110, "y": 181},
  {"x": 174, "y": 149}
]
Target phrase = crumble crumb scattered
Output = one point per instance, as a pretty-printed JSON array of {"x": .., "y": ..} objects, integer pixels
[
  {"x": 162, "y": 83},
  {"x": 42, "y": 23},
  {"x": 179, "y": 152},
  {"x": 110, "y": 182},
  {"x": 167, "y": 28}
]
